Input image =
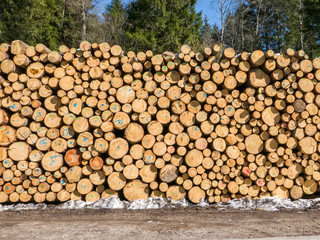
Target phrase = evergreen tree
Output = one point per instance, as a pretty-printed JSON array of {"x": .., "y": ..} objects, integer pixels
[
  {"x": 115, "y": 22},
  {"x": 207, "y": 33},
  {"x": 312, "y": 26},
  {"x": 79, "y": 22},
  {"x": 163, "y": 25},
  {"x": 37, "y": 21}
]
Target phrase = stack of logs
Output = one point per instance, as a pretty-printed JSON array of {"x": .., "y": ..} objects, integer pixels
[{"x": 95, "y": 122}]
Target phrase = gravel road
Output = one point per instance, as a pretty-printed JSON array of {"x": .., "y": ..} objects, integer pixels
[{"x": 178, "y": 223}]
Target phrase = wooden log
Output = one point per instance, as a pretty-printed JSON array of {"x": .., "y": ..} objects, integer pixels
[
  {"x": 136, "y": 190},
  {"x": 195, "y": 194},
  {"x": 97, "y": 177},
  {"x": 116, "y": 181},
  {"x": 19, "y": 151},
  {"x": 84, "y": 186},
  {"x": 7, "y": 135},
  {"x": 18, "y": 47},
  {"x": 254, "y": 144},
  {"x": 74, "y": 174},
  {"x": 257, "y": 58},
  {"x": 7, "y": 66},
  {"x": 148, "y": 173},
  {"x": 308, "y": 145},
  {"x": 134, "y": 133},
  {"x": 258, "y": 78},
  {"x": 41, "y": 48},
  {"x": 176, "y": 193},
  {"x": 35, "y": 70},
  {"x": 52, "y": 161}
]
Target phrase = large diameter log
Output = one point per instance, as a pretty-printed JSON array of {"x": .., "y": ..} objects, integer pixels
[
  {"x": 195, "y": 194},
  {"x": 308, "y": 145},
  {"x": 136, "y": 190},
  {"x": 254, "y": 144},
  {"x": 18, "y": 47},
  {"x": 134, "y": 133},
  {"x": 118, "y": 148},
  {"x": 7, "y": 135},
  {"x": 168, "y": 173},
  {"x": 35, "y": 70},
  {"x": 176, "y": 193},
  {"x": 305, "y": 85},
  {"x": 52, "y": 161},
  {"x": 258, "y": 78},
  {"x": 19, "y": 151},
  {"x": 271, "y": 116},
  {"x": 194, "y": 158}
]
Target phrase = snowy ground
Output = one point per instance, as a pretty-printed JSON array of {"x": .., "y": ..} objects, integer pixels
[{"x": 266, "y": 204}]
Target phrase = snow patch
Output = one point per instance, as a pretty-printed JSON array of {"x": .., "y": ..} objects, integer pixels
[{"x": 265, "y": 204}]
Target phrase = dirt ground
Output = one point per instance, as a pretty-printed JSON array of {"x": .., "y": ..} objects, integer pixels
[{"x": 179, "y": 223}]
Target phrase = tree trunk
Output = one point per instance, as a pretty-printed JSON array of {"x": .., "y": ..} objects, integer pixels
[
  {"x": 301, "y": 25},
  {"x": 84, "y": 19}
]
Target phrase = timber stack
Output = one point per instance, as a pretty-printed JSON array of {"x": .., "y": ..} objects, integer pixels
[{"x": 96, "y": 122}]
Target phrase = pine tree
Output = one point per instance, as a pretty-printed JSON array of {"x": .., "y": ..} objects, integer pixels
[
  {"x": 32, "y": 21},
  {"x": 207, "y": 33},
  {"x": 312, "y": 26},
  {"x": 15, "y": 21},
  {"x": 79, "y": 22},
  {"x": 163, "y": 25},
  {"x": 115, "y": 22}
]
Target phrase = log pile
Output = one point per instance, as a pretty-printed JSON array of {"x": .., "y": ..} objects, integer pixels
[{"x": 95, "y": 122}]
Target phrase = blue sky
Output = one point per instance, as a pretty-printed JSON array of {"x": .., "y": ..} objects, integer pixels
[{"x": 208, "y": 7}]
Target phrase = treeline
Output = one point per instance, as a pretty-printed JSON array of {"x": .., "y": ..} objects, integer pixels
[
  {"x": 164, "y": 25},
  {"x": 140, "y": 25},
  {"x": 271, "y": 24}
]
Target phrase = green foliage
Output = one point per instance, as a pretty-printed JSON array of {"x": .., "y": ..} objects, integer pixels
[
  {"x": 163, "y": 25},
  {"x": 274, "y": 24},
  {"x": 115, "y": 18},
  {"x": 207, "y": 33},
  {"x": 31, "y": 20}
]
